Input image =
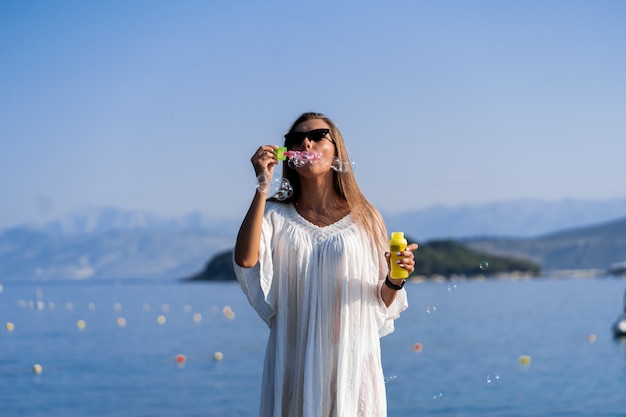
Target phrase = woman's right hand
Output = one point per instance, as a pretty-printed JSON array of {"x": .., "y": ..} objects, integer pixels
[{"x": 264, "y": 160}]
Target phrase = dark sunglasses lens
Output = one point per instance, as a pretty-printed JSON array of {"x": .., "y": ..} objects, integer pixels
[
  {"x": 318, "y": 134},
  {"x": 296, "y": 138}
]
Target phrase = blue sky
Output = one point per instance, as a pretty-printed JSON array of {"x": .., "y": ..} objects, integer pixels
[{"x": 158, "y": 105}]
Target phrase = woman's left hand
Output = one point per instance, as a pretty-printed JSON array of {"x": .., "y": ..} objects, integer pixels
[{"x": 406, "y": 258}]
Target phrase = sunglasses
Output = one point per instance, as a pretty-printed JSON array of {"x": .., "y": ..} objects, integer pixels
[{"x": 296, "y": 138}]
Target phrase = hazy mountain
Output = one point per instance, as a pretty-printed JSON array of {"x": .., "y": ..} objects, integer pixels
[
  {"x": 591, "y": 247},
  {"x": 522, "y": 218},
  {"x": 113, "y": 244},
  {"x": 106, "y": 219},
  {"x": 114, "y": 254},
  {"x": 116, "y": 244}
]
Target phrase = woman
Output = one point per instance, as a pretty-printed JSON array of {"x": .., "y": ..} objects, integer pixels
[{"x": 314, "y": 267}]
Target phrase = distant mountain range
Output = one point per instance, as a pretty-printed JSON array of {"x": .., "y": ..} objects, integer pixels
[
  {"x": 111, "y": 243},
  {"x": 114, "y": 254},
  {"x": 521, "y": 218},
  {"x": 592, "y": 247}
]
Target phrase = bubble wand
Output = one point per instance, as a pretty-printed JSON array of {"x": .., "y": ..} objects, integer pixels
[
  {"x": 280, "y": 188},
  {"x": 298, "y": 159}
]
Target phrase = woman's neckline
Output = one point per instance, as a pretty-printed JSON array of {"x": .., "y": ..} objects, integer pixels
[{"x": 312, "y": 222}]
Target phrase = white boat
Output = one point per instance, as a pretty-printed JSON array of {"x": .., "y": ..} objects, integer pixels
[
  {"x": 619, "y": 327},
  {"x": 618, "y": 268}
]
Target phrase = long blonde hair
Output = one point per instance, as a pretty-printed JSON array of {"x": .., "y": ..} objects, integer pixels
[{"x": 364, "y": 213}]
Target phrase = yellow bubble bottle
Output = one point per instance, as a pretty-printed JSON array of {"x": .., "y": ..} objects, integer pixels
[{"x": 397, "y": 244}]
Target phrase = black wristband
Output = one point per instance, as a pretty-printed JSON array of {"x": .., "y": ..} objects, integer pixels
[{"x": 392, "y": 285}]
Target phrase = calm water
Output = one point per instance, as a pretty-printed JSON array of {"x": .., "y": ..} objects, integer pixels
[{"x": 472, "y": 335}]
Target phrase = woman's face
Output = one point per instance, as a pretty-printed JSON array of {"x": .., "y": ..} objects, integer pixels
[{"x": 325, "y": 147}]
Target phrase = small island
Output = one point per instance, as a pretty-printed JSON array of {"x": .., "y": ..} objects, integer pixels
[{"x": 434, "y": 259}]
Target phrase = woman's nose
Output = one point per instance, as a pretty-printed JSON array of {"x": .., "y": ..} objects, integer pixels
[{"x": 305, "y": 144}]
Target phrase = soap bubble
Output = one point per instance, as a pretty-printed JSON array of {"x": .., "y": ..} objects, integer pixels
[
  {"x": 493, "y": 379},
  {"x": 284, "y": 191},
  {"x": 484, "y": 265},
  {"x": 298, "y": 159},
  {"x": 276, "y": 187},
  {"x": 295, "y": 163},
  {"x": 438, "y": 396},
  {"x": 391, "y": 379},
  {"x": 431, "y": 309},
  {"x": 343, "y": 166}
]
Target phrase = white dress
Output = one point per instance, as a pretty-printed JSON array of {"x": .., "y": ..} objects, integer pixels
[{"x": 318, "y": 289}]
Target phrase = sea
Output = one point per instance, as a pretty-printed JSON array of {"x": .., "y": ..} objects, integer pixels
[{"x": 484, "y": 348}]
